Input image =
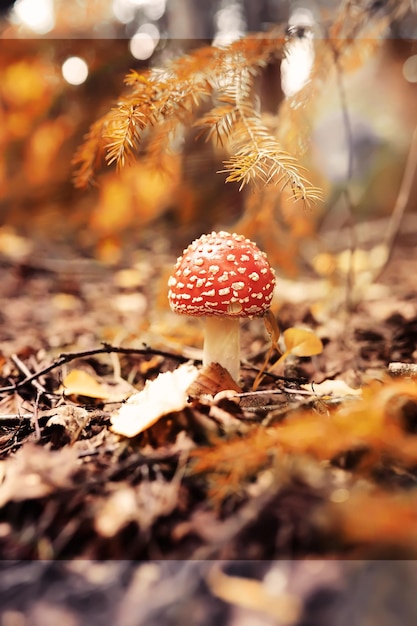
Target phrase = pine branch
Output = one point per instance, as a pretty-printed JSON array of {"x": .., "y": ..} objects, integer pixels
[
  {"x": 258, "y": 156},
  {"x": 172, "y": 97},
  {"x": 263, "y": 159},
  {"x": 90, "y": 154},
  {"x": 160, "y": 103},
  {"x": 124, "y": 131},
  {"x": 219, "y": 122}
]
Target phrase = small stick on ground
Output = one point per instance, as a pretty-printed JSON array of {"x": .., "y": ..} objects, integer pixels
[{"x": 67, "y": 357}]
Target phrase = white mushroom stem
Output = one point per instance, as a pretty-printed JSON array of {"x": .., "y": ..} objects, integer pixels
[{"x": 222, "y": 343}]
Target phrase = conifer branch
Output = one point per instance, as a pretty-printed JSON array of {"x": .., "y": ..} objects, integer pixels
[
  {"x": 124, "y": 130},
  {"x": 258, "y": 156},
  {"x": 212, "y": 89},
  {"x": 161, "y": 102},
  {"x": 90, "y": 154}
]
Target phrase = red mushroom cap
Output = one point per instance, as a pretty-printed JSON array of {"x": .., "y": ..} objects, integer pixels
[{"x": 222, "y": 274}]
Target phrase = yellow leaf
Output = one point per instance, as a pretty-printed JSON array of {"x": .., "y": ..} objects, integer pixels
[
  {"x": 253, "y": 595},
  {"x": 80, "y": 383},
  {"x": 302, "y": 342}
]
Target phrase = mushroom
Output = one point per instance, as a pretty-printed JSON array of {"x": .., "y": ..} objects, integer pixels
[{"x": 222, "y": 277}]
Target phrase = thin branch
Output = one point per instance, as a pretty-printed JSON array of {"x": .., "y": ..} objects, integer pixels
[
  {"x": 397, "y": 215},
  {"x": 15, "y": 417},
  {"x": 350, "y": 276},
  {"x": 35, "y": 418},
  {"x": 67, "y": 357},
  {"x": 26, "y": 371}
]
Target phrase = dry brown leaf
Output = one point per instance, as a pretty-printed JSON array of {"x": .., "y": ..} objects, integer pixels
[
  {"x": 211, "y": 380},
  {"x": 35, "y": 472},
  {"x": 73, "y": 419},
  {"x": 117, "y": 510}
]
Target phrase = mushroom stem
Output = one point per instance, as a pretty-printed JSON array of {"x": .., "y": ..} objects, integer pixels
[{"x": 222, "y": 343}]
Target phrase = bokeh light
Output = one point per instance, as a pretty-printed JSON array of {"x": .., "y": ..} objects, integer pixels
[
  {"x": 75, "y": 70},
  {"x": 141, "y": 46},
  {"x": 230, "y": 24},
  {"x": 410, "y": 69},
  {"x": 125, "y": 11},
  {"x": 296, "y": 65},
  {"x": 37, "y": 15}
]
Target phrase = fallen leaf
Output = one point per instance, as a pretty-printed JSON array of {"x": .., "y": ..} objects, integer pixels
[
  {"x": 302, "y": 342},
  {"x": 332, "y": 388},
  {"x": 35, "y": 472},
  {"x": 299, "y": 342},
  {"x": 166, "y": 394},
  {"x": 117, "y": 510},
  {"x": 72, "y": 419},
  {"x": 211, "y": 380},
  {"x": 81, "y": 383},
  {"x": 254, "y": 595}
]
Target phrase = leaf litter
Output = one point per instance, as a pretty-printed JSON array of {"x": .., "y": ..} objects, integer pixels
[{"x": 133, "y": 451}]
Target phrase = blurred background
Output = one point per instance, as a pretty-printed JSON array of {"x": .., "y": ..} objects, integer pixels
[{"x": 62, "y": 65}]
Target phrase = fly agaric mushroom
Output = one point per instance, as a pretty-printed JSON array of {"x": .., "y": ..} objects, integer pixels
[{"x": 223, "y": 277}]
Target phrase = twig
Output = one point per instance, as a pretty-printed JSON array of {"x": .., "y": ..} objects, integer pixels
[
  {"x": 401, "y": 202},
  {"x": 29, "y": 376},
  {"x": 248, "y": 366},
  {"x": 35, "y": 420},
  {"x": 67, "y": 357},
  {"x": 15, "y": 417},
  {"x": 350, "y": 276}
]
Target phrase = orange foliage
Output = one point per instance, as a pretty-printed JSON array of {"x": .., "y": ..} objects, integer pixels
[
  {"x": 368, "y": 424},
  {"x": 135, "y": 196},
  {"x": 372, "y": 518},
  {"x": 43, "y": 148}
]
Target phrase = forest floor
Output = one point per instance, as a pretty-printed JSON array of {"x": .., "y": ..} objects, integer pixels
[{"x": 273, "y": 507}]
